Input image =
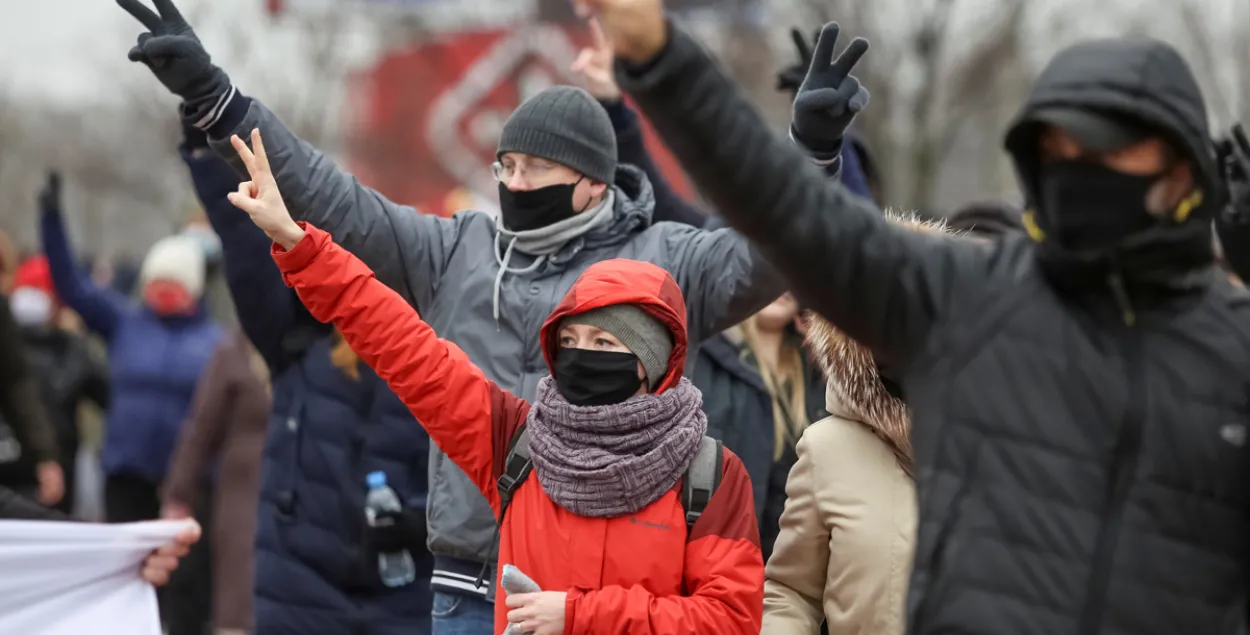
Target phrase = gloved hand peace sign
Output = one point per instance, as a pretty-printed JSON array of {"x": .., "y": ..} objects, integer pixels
[
  {"x": 173, "y": 52},
  {"x": 830, "y": 96}
]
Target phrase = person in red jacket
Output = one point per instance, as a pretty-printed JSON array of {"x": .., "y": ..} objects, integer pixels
[{"x": 612, "y": 431}]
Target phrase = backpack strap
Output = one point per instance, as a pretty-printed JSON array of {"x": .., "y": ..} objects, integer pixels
[
  {"x": 701, "y": 480},
  {"x": 516, "y": 468}
]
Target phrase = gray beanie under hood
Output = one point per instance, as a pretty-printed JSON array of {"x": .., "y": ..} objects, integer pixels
[
  {"x": 566, "y": 125},
  {"x": 648, "y": 339}
]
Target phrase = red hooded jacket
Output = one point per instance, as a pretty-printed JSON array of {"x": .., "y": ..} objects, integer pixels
[{"x": 637, "y": 574}]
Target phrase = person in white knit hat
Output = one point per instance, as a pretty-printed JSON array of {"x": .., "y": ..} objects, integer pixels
[
  {"x": 172, "y": 276},
  {"x": 157, "y": 350}
]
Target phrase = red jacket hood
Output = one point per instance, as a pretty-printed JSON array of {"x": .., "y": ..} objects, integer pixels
[{"x": 620, "y": 281}]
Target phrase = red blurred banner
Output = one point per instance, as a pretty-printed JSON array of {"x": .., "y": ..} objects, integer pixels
[{"x": 428, "y": 118}]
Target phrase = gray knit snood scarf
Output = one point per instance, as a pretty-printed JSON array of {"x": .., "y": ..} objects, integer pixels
[
  {"x": 608, "y": 461},
  {"x": 545, "y": 241}
]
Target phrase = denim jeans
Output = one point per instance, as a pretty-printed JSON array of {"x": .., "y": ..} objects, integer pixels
[{"x": 457, "y": 614}]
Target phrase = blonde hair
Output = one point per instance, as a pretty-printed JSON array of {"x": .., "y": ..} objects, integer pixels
[
  {"x": 786, "y": 384},
  {"x": 344, "y": 358}
]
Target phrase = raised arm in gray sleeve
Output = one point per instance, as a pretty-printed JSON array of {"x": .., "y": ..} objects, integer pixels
[
  {"x": 883, "y": 285},
  {"x": 725, "y": 280},
  {"x": 407, "y": 250}
]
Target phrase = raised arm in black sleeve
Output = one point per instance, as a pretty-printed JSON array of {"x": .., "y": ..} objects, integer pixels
[{"x": 883, "y": 285}]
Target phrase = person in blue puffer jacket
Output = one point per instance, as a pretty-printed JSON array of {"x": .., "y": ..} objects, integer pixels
[
  {"x": 333, "y": 422},
  {"x": 157, "y": 350}
]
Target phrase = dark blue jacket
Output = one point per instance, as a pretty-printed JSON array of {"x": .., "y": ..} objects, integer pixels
[
  {"x": 154, "y": 362},
  {"x": 314, "y": 571},
  {"x": 740, "y": 413}
]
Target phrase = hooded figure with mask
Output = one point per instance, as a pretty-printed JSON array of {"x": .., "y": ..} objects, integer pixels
[
  {"x": 157, "y": 350},
  {"x": 484, "y": 283},
  {"x": 1078, "y": 394},
  {"x": 611, "y": 435}
]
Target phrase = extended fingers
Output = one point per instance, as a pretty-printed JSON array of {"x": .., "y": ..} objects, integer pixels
[
  {"x": 596, "y": 32},
  {"x": 249, "y": 160},
  {"x": 258, "y": 146},
  {"x": 823, "y": 56},
  {"x": 800, "y": 43},
  {"x": 142, "y": 14},
  {"x": 168, "y": 10},
  {"x": 850, "y": 57}
]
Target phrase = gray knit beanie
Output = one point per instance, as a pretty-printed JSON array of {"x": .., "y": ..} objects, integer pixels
[
  {"x": 642, "y": 334},
  {"x": 566, "y": 125}
]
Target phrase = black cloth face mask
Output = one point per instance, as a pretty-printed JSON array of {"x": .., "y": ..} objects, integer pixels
[
  {"x": 524, "y": 210},
  {"x": 596, "y": 378},
  {"x": 1086, "y": 205}
]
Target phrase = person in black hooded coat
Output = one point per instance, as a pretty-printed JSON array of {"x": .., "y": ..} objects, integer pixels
[{"x": 1079, "y": 394}]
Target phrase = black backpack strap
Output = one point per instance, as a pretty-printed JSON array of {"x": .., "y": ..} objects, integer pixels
[
  {"x": 516, "y": 468},
  {"x": 701, "y": 480}
]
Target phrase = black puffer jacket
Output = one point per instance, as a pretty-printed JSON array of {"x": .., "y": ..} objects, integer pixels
[{"x": 1076, "y": 474}]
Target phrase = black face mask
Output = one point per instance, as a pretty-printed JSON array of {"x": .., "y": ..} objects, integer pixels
[
  {"x": 596, "y": 378},
  {"x": 531, "y": 209},
  {"x": 1084, "y": 205}
]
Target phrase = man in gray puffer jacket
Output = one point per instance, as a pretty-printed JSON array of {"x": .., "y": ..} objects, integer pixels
[{"x": 486, "y": 284}]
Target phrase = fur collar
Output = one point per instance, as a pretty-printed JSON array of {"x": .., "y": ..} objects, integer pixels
[{"x": 854, "y": 390}]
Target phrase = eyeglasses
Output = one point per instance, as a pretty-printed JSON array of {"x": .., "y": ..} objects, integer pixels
[{"x": 534, "y": 171}]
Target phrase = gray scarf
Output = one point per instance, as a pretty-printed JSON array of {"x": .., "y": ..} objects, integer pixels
[
  {"x": 608, "y": 461},
  {"x": 545, "y": 241}
]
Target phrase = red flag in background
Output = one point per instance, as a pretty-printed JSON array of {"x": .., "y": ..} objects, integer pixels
[{"x": 428, "y": 118}]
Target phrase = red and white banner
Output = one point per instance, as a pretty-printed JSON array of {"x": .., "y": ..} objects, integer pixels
[{"x": 428, "y": 118}]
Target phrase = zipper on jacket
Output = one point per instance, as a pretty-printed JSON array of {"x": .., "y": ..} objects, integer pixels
[{"x": 1125, "y": 456}]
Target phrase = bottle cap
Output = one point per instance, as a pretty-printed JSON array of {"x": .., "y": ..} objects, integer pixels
[{"x": 376, "y": 479}]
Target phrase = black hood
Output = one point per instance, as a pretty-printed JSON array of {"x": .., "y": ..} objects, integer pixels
[{"x": 1139, "y": 78}]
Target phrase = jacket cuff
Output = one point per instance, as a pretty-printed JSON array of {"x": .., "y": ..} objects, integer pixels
[
  {"x": 680, "y": 50},
  {"x": 302, "y": 254},
  {"x": 218, "y": 116},
  {"x": 822, "y": 158}
]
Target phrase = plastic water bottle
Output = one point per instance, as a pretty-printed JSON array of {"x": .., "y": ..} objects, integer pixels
[{"x": 395, "y": 568}]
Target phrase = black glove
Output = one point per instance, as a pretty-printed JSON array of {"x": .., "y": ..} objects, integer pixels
[
  {"x": 174, "y": 54},
  {"x": 830, "y": 96},
  {"x": 791, "y": 77},
  {"x": 50, "y": 196},
  {"x": 396, "y": 531}
]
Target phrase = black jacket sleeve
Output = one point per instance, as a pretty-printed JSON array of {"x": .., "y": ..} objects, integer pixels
[
  {"x": 20, "y": 400},
  {"x": 884, "y": 285},
  {"x": 631, "y": 148},
  {"x": 15, "y": 507}
]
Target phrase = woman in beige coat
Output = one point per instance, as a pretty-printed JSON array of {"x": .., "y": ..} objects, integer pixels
[{"x": 844, "y": 552}]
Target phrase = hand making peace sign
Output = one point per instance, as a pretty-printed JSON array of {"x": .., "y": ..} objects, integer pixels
[
  {"x": 260, "y": 198},
  {"x": 595, "y": 65}
]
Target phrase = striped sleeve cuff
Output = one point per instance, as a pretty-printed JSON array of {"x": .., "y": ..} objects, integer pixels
[{"x": 218, "y": 116}]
